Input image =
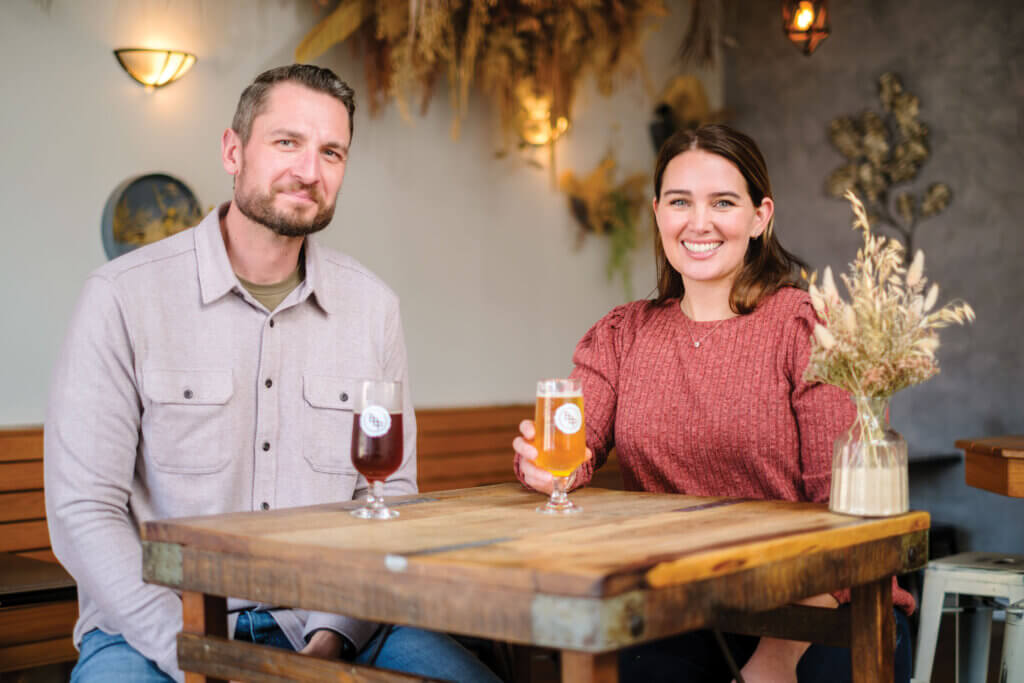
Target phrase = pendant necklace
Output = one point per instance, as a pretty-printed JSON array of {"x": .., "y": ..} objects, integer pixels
[{"x": 697, "y": 342}]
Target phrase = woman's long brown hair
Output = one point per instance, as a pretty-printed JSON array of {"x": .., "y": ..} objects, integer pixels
[{"x": 767, "y": 267}]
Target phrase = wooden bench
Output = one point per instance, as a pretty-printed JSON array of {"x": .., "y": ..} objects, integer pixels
[{"x": 38, "y": 608}]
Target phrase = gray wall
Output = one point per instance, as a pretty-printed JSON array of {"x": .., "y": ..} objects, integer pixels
[{"x": 963, "y": 59}]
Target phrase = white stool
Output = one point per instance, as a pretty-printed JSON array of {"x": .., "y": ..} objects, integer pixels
[
  {"x": 1013, "y": 644},
  {"x": 978, "y": 574}
]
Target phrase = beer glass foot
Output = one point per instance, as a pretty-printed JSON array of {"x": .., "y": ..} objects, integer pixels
[
  {"x": 375, "y": 507},
  {"x": 559, "y": 503},
  {"x": 568, "y": 508},
  {"x": 374, "y": 513}
]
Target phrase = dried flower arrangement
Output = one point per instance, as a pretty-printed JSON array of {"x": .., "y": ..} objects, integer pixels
[
  {"x": 552, "y": 44},
  {"x": 884, "y": 339},
  {"x": 883, "y": 151},
  {"x": 606, "y": 209}
]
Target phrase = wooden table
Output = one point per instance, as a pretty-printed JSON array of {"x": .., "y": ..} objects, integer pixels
[
  {"x": 632, "y": 567},
  {"x": 995, "y": 464}
]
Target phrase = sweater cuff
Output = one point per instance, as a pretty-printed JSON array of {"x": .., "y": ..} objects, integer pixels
[{"x": 584, "y": 473}]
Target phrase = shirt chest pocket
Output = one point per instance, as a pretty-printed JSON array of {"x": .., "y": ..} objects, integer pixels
[
  {"x": 327, "y": 423},
  {"x": 186, "y": 427}
]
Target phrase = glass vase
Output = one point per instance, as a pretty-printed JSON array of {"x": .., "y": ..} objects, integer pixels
[{"x": 869, "y": 464}]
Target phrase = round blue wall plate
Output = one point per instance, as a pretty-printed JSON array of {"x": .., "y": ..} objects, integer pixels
[{"x": 145, "y": 209}]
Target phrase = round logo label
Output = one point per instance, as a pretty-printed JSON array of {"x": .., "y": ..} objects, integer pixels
[
  {"x": 375, "y": 421},
  {"x": 568, "y": 418}
]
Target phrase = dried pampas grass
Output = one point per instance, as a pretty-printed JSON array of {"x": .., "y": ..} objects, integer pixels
[{"x": 885, "y": 337}]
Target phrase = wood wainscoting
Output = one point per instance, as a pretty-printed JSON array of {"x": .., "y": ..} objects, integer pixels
[{"x": 38, "y": 632}]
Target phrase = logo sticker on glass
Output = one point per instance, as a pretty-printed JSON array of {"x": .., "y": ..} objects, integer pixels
[
  {"x": 568, "y": 418},
  {"x": 375, "y": 421}
]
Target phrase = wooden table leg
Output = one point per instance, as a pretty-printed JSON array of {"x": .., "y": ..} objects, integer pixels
[
  {"x": 872, "y": 632},
  {"x": 583, "y": 667},
  {"x": 204, "y": 615}
]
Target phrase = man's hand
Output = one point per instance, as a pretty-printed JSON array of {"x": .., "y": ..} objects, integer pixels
[{"x": 324, "y": 643}]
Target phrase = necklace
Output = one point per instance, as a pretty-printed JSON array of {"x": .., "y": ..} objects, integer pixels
[{"x": 697, "y": 342}]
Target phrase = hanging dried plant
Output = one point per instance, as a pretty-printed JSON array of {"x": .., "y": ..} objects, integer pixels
[
  {"x": 613, "y": 210},
  {"x": 882, "y": 152},
  {"x": 683, "y": 104},
  {"x": 407, "y": 45},
  {"x": 698, "y": 46}
]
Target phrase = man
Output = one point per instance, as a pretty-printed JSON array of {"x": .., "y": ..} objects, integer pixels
[{"x": 213, "y": 372}]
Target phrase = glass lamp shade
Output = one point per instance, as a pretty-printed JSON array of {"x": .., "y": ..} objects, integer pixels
[
  {"x": 806, "y": 23},
  {"x": 154, "y": 68}
]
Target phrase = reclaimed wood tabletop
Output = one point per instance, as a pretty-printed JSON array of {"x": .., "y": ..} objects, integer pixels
[{"x": 631, "y": 567}]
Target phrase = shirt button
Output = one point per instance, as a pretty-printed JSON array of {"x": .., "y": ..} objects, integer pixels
[
  {"x": 343, "y": 397},
  {"x": 271, "y": 323},
  {"x": 269, "y": 383},
  {"x": 266, "y": 445},
  {"x": 188, "y": 393},
  {"x": 265, "y": 505}
]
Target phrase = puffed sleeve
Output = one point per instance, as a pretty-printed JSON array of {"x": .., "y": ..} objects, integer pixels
[
  {"x": 822, "y": 411},
  {"x": 596, "y": 360}
]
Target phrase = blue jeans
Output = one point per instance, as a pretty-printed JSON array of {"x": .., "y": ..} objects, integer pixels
[
  {"x": 104, "y": 657},
  {"x": 406, "y": 649},
  {"x": 695, "y": 657}
]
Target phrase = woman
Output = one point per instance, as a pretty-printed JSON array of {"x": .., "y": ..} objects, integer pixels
[{"x": 701, "y": 390}]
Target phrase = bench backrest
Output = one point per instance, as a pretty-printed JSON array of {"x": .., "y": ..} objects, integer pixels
[
  {"x": 463, "y": 447},
  {"x": 22, "y": 507},
  {"x": 457, "y": 448}
]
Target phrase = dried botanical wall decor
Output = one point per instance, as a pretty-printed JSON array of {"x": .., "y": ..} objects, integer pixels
[
  {"x": 682, "y": 105},
  {"x": 698, "y": 45},
  {"x": 408, "y": 45},
  {"x": 602, "y": 208},
  {"x": 883, "y": 151}
]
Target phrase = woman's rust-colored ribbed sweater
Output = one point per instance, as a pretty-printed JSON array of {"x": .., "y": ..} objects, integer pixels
[{"x": 732, "y": 417}]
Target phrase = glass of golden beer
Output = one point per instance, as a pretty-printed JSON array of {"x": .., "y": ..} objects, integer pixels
[{"x": 561, "y": 440}]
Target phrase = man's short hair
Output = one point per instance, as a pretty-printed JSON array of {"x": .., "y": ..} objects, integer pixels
[{"x": 254, "y": 98}]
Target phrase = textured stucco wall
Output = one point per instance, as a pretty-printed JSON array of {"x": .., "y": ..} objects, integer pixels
[{"x": 965, "y": 61}]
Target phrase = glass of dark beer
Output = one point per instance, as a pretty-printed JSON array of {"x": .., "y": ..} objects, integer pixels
[{"x": 377, "y": 441}]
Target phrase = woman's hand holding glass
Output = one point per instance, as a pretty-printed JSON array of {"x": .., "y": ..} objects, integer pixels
[{"x": 526, "y": 453}]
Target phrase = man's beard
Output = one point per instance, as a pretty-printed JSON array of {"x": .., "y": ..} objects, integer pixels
[{"x": 259, "y": 208}]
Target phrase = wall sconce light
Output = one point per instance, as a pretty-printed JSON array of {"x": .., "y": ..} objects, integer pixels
[
  {"x": 805, "y": 23},
  {"x": 154, "y": 68},
  {"x": 536, "y": 126}
]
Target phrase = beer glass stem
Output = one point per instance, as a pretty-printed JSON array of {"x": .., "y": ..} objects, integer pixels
[
  {"x": 559, "y": 497},
  {"x": 559, "y": 503},
  {"x": 376, "y": 495}
]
